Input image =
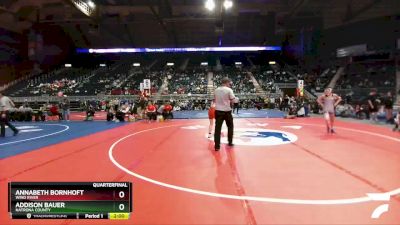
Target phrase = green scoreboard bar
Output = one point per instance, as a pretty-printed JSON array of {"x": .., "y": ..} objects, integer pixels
[{"x": 70, "y": 200}]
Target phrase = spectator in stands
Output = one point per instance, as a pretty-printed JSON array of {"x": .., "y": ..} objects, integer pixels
[
  {"x": 134, "y": 109},
  {"x": 177, "y": 108},
  {"x": 41, "y": 113},
  {"x": 358, "y": 111},
  {"x": 110, "y": 112},
  {"x": 292, "y": 113},
  {"x": 293, "y": 106},
  {"x": 167, "y": 111},
  {"x": 65, "y": 106},
  {"x": 307, "y": 106},
  {"x": 345, "y": 110},
  {"x": 119, "y": 116},
  {"x": 55, "y": 112},
  {"x": 236, "y": 105},
  {"x": 160, "y": 110},
  {"x": 23, "y": 113},
  {"x": 373, "y": 104},
  {"x": 115, "y": 104},
  {"x": 285, "y": 102},
  {"x": 388, "y": 102},
  {"x": 90, "y": 113},
  {"x": 5, "y": 105},
  {"x": 142, "y": 106},
  {"x": 151, "y": 111},
  {"x": 397, "y": 122},
  {"x": 124, "y": 110}
]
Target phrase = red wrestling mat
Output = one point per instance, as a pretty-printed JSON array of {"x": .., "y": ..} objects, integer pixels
[{"x": 279, "y": 172}]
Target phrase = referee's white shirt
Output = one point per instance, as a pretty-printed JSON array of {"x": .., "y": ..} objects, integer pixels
[
  {"x": 223, "y": 98},
  {"x": 5, "y": 103}
]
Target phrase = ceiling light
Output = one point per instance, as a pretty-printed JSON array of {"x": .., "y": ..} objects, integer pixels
[
  {"x": 91, "y": 4},
  {"x": 228, "y": 4},
  {"x": 210, "y": 5}
]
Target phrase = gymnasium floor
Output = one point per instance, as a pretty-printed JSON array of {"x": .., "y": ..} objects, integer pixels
[{"x": 279, "y": 172}]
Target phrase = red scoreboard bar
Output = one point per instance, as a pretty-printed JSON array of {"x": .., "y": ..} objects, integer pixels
[{"x": 70, "y": 200}]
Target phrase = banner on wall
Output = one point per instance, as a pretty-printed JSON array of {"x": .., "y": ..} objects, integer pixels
[
  {"x": 141, "y": 87},
  {"x": 146, "y": 84},
  {"x": 300, "y": 88},
  {"x": 351, "y": 50}
]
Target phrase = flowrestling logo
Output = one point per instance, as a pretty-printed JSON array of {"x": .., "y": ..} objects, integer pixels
[
  {"x": 258, "y": 137},
  {"x": 28, "y": 129}
]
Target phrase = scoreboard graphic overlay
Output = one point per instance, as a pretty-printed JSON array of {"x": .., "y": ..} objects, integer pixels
[{"x": 66, "y": 200}]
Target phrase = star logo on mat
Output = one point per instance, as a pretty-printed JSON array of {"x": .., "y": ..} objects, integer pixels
[{"x": 259, "y": 137}]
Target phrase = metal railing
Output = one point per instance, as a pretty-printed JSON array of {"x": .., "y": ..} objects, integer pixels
[{"x": 134, "y": 97}]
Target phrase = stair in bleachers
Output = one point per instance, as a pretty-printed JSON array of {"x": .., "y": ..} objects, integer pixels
[{"x": 210, "y": 85}]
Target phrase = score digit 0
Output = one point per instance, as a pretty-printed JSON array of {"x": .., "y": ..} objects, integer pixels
[{"x": 121, "y": 194}]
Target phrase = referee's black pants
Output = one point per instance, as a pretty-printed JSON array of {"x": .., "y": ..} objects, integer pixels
[
  {"x": 220, "y": 117},
  {"x": 5, "y": 121}
]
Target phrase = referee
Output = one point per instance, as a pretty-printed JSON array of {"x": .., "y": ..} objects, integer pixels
[
  {"x": 5, "y": 105},
  {"x": 223, "y": 112}
]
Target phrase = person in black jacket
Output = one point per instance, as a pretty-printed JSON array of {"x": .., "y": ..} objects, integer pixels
[{"x": 388, "y": 102}]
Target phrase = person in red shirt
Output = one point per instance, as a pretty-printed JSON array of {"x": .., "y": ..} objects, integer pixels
[
  {"x": 211, "y": 117},
  {"x": 151, "y": 111},
  {"x": 167, "y": 111},
  {"x": 54, "y": 111}
]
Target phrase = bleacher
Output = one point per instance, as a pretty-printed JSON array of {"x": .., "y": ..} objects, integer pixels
[
  {"x": 359, "y": 78},
  {"x": 316, "y": 82},
  {"x": 189, "y": 81},
  {"x": 66, "y": 80},
  {"x": 242, "y": 84},
  {"x": 267, "y": 77}
]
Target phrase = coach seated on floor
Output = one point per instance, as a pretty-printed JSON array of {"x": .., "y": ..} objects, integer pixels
[
  {"x": 120, "y": 116},
  {"x": 54, "y": 111},
  {"x": 90, "y": 113},
  {"x": 124, "y": 111},
  {"x": 151, "y": 111},
  {"x": 12, "y": 115},
  {"x": 39, "y": 114},
  {"x": 167, "y": 111},
  {"x": 24, "y": 113}
]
